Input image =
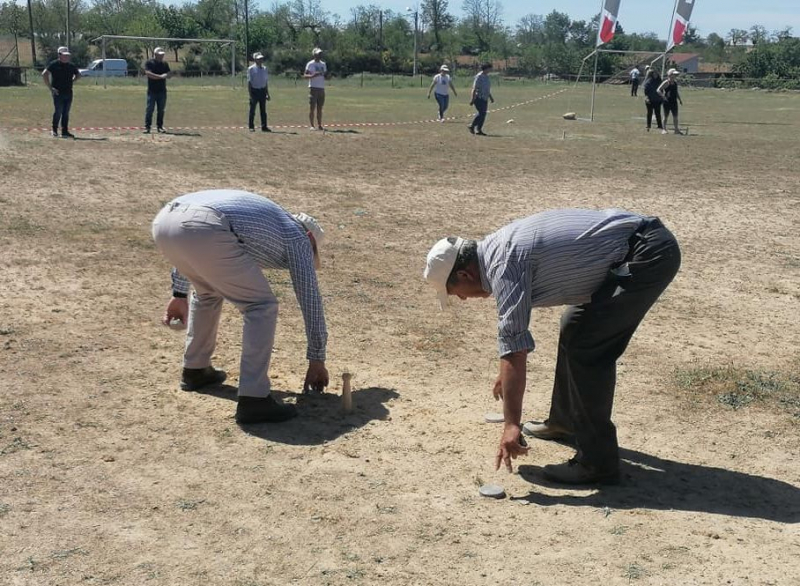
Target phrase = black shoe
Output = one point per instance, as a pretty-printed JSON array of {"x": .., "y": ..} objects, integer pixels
[
  {"x": 265, "y": 129},
  {"x": 576, "y": 472},
  {"x": 146, "y": 131},
  {"x": 263, "y": 410},
  {"x": 161, "y": 130},
  {"x": 67, "y": 134},
  {"x": 251, "y": 129},
  {"x": 471, "y": 129},
  {"x": 194, "y": 379},
  {"x": 54, "y": 133},
  {"x": 481, "y": 133}
]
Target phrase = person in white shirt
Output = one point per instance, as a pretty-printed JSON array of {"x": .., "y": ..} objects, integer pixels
[
  {"x": 315, "y": 73},
  {"x": 441, "y": 86},
  {"x": 258, "y": 86},
  {"x": 635, "y": 73}
]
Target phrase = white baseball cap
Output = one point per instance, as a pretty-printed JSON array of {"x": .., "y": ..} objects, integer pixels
[
  {"x": 444, "y": 68},
  {"x": 257, "y": 56},
  {"x": 441, "y": 260},
  {"x": 673, "y": 72},
  {"x": 311, "y": 225},
  {"x": 316, "y": 51},
  {"x": 64, "y": 51},
  {"x": 159, "y": 51}
]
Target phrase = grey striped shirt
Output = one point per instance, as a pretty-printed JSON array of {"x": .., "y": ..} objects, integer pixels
[
  {"x": 275, "y": 240},
  {"x": 557, "y": 257},
  {"x": 483, "y": 86}
]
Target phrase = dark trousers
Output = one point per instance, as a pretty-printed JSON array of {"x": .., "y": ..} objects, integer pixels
[
  {"x": 634, "y": 87},
  {"x": 480, "y": 117},
  {"x": 594, "y": 335},
  {"x": 258, "y": 96},
  {"x": 670, "y": 108},
  {"x": 61, "y": 107},
  {"x": 653, "y": 109},
  {"x": 443, "y": 102},
  {"x": 155, "y": 100}
]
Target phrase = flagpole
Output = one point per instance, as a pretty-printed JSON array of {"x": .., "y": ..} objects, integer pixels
[
  {"x": 594, "y": 83},
  {"x": 669, "y": 38},
  {"x": 596, "y": 55}
]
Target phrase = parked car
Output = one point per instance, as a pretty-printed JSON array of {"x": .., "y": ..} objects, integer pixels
[{"x": 113, "y": 68}]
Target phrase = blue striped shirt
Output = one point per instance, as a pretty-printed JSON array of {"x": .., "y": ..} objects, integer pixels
[
  {"x": 558, "y": 257},
  {"x": 275, "y": 240}
]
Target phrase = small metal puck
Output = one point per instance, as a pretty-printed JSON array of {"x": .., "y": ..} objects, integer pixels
[
  {"x": 494, "y": 418},
  {"x": 494, "y": 491}
]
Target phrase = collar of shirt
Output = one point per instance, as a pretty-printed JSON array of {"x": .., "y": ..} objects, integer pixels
[{"x": 487, "y": 286}]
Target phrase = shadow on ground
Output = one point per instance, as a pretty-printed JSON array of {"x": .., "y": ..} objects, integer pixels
[
  {"x": 321, "y": 417},
  {"x": 649, "y": 482}
]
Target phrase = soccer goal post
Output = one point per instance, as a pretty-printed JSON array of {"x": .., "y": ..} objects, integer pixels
[{"x": 223, "y": 42}]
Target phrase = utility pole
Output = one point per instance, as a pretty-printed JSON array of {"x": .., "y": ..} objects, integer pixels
[
  {"x": 246, "y": 32},
  {"x": 415, "y": 12},
  {"x": 67, "y": 41},
  {"x": 33, "y": 36}
]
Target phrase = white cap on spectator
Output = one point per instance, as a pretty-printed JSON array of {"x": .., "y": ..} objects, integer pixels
[
  {"x": 316, "y": 51},
  {"x": 63, "y": 51},
  {"x": 159, "y": 51},
  {"x": 673, "y": 72},
  {"x": 257, "y": 56}
]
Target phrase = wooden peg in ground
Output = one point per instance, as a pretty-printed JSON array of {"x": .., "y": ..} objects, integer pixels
[{"x": 347, "y": 395}]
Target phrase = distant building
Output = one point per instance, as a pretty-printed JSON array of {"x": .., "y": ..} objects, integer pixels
[{"x": 685, "y": 62}]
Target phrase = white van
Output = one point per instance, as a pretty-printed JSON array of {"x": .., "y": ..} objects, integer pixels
[{"x": 113, "y": 67}]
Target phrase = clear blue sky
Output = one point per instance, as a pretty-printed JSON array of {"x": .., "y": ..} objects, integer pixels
[{"x": 635, "y": 15}]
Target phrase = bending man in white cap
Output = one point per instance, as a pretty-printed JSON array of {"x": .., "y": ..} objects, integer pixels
[
  {"x": 219, "y": 241},
  {"x": 609, "y": 266}
]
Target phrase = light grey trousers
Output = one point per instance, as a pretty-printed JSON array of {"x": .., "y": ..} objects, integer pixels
[{"x": 199, "y": 242}]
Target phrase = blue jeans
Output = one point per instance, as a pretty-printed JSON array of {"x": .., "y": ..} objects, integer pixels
[
  {"x": 481, "y": 106},
  {"x": 61, "y": 104},
  {"x": 155, "y": 99},
  {"x": 443, "y": 101}
]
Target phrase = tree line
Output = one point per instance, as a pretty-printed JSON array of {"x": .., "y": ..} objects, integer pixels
[{"x": 371, "y": 38}]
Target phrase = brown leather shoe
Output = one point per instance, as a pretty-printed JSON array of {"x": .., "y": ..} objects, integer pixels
[
  {"x": 194, "y": 379},
  {"x": 576, "y": 472},
  {"x": 544, "y": 430}
]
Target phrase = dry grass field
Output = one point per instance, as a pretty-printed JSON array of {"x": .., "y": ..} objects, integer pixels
[{"x": 109, "y": 474}]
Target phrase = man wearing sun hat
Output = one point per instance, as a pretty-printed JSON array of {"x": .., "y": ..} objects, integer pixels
[
  {"x": 218, "y": 242},
  {"x": 315, "y": 72},
  {"x": 258, "y": 86},
  {"x": 609, "y": 267},
  {"x": 157, "y": 72},
  {"x": 59, "y": 77}
]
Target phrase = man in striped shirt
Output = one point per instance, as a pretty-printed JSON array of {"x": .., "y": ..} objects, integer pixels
[
  {"x": 609, "y": 267},
  {"x": 219, "y": 241}
]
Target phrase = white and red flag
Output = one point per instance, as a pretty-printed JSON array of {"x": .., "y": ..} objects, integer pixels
[
  {"x": 608, "y": 21},
  {"x": 680, "y": 22}
]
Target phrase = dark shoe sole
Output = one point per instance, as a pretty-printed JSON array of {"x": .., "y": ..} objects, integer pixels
[
  {"x": 607, "y": 479},
  {"x": 246, "y": 416},
  {"x": 196, "y": 386}
]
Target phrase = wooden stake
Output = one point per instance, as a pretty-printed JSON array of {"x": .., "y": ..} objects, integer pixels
[{"x": 347, "y": 395}]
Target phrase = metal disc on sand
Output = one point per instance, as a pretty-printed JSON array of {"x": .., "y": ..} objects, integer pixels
[
  {"x": 494, "y": 491},
  {"x": 494, "y": 418}
]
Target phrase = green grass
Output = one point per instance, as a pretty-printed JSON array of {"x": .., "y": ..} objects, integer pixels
[{"x": 737, "y": 387}]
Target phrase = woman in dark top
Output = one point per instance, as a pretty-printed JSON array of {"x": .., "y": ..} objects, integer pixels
[
  {"x": 651, "y": 98},
  {"x": 669, "y": 92}
]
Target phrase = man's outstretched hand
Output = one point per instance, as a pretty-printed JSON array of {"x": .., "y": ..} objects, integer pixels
[
  {"x": 177, "y": 308},
  {"x": 316, "y": 377}
]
